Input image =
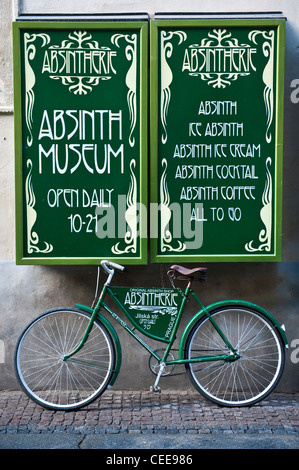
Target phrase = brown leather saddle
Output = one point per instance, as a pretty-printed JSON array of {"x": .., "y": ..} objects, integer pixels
[{"x": 179, "y": 272}]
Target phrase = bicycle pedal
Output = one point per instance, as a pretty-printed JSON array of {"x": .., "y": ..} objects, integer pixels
[{"x": 155, "y": 389}]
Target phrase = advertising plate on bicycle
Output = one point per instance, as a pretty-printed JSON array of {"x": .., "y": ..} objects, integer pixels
[{"x": 153, "y": 311}]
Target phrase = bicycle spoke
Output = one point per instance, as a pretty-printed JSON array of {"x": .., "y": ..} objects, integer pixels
[
  {"x": 40, "y": 360},
  {"x": 247, "y": 379}
]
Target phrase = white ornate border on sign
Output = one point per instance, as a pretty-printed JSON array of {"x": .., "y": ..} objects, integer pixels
[
  {"x": 29, "y": 52},
  {"x": 268, "y": 75},
  {"x": 79, "y": 87},
  {"x": 265, "y": 214},
  {"x": 32, "y": 237},
  {"x": 166, "y": 236},
  {"x": 166, "y": 74},
  {"x": 131, "y": 217},
  {"x": 131, "y": 78}
]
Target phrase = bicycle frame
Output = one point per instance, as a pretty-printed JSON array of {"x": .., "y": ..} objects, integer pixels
[
  {"x": 233, "y": 350},
  {"x": 95, "y": 313}
]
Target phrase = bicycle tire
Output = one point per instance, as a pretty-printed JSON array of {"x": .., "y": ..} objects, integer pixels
[
  {"x": 253, "y": 376},
  {"x": 46, "y": 377}
]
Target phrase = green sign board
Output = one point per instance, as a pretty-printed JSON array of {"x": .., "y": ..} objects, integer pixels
[
  {"x": 81, "y": 141},
  {"x": 216, "y": 139}
]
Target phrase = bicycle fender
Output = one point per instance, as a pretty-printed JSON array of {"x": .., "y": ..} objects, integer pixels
[
  {"x": 115, "y": 339},
  {"x": 227, "y": 303}
]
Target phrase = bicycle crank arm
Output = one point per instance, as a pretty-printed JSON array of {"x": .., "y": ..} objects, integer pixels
[{"x": 155, "y": 387}]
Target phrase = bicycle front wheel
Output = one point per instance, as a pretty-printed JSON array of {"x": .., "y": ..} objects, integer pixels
[
  {"x": 250, "y": 378},
  {"x": 42, "y": 371}
]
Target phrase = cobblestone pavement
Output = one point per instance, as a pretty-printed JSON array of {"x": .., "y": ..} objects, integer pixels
[{"x": 142, "y": 412}]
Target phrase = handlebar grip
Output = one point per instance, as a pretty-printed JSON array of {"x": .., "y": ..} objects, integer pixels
[{"x": 112, "y": 265}]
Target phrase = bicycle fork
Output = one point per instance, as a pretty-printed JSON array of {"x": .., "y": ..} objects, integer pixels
[{"x": 89, "y": 327}]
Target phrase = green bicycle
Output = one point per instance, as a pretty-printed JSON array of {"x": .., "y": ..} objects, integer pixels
[{"x": 234, "y": 351}]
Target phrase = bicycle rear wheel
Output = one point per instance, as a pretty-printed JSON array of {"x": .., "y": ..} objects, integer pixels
[
  {"x": 247, "y": 380},
  {"x": 42, "y": 371}
]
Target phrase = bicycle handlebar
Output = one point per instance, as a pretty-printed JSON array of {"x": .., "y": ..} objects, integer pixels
[{"x": 109, "y": 264}]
